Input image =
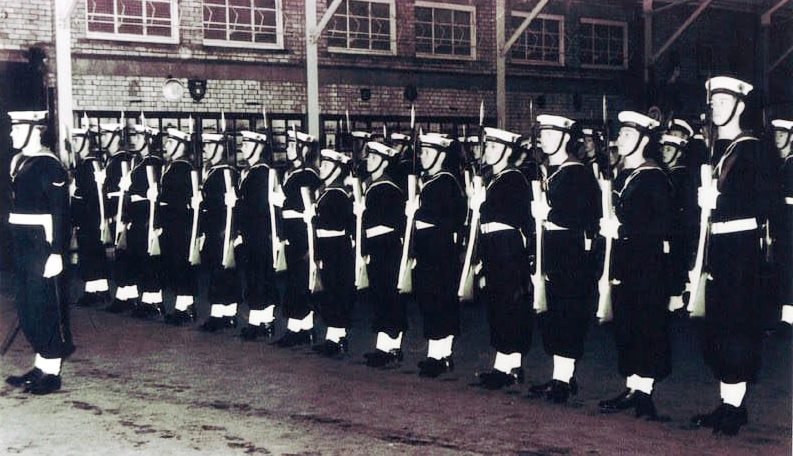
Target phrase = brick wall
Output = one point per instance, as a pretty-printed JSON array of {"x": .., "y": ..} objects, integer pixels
[{"x": 23, "y": 24}]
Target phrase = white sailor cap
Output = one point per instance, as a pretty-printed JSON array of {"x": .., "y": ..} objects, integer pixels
[
  {"x": 254, "y": 136},
  {"x": 381, "y": 149},
  {"x": 79, "y": 132},
  {"x": 212, "y": 138},
  {"x": 500, "y": 135},
  {"x": 399, "y": 137},
  {"x": 27, "y": 116},
  {"x": 178, "y": 134},
  {"x": 588, "y": 132},
  {"x": 726, "y": 84},
  {"x": 332, "y": 155},
  {"x": 301, "y": 137},
  {"x": 781, "y": 124},
  {"x": 110, "y": 127},
  {"x": 637, "y": 120},
  {"x": 361, "y": 134},
  {"x": 140, "y": 128},
  {"x": 435, "y": 140},
  {"x": 673, "y": 140},
  {"x": 681, "y": 125},
  {"x": 555, "y": 122}
]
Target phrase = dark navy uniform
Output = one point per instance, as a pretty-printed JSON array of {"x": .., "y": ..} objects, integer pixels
[
  {"x": 504, "y": 260},
  {"x": 144, "y": 268},
  {"x": 335, "y": 225},
  {"x": 254, "y": 225},
  {"x": 41, "y": 197},
  {"x": 86, "y": 218},
  {"x": 383, "y": 225},
  {"x": 732, "y": 329},
  {"x": 224, "y": 284},
  {"x": 684, "y": 228},
  {"x": 175, "y": 217},
  {"x": 123, "y": 269},
  {"x": 573, "y": 196},
  {"x": 782, "y": 233},
  {"x": 440, "y": 216},
  {"x": 297, "y": 305},
  {"x": 640, "y": 291}
]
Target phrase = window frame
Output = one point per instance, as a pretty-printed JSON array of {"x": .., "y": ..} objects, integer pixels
[
  {"x": 453, "y": 7},
  {"x": 279, "y": 31},
  {"x": 612, "y": 23},
  {"x": 562, "y": 50},
  {"x": 127, "y": 37},
  {"x": 392, "y": 34}
]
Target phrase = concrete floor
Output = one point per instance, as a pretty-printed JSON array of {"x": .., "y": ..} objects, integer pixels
[{"x": 136, "y": 387}]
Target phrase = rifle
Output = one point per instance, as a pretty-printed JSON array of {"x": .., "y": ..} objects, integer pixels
[
  {"x": 605, "y": 311},
  {"x": 361, "y": 272},
  {"x": 194, "y": 257},
  {"x": 153, "y": 239},
  {"x": 465, "y": 288},
  {"x": 405, "y": 277},
  {"x": 229, "y": 260},
  {"x": 274, "y": 186},
  {"x": 314, "y": 280},
  {"x": 696, "y": 300},
  {"x": 121, "y": 228},
  {"x": 540, "y": 292}
]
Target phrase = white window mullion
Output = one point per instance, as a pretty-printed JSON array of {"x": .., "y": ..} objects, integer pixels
[
  {"x": 143, "y": 15},
  {"x": 228, "y": 21},
  {"x": 115, "y": 16}
]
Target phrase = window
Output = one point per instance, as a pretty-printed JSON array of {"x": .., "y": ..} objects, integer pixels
[
  {"x": 243, "y": 23},
  {"x": 604, "y": 44},
  {"x": 363, "y": 26},
  {"x": 133, "y": 20},
  {"x": 542, "y": 42},
  {"x": 445, "y": 31}
]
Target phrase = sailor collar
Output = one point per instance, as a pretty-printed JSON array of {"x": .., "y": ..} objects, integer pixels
[
  {"x": 503, "y": 173},
  {"x": 635, "y": 173},
  {"x": 739, "y": 139},
  {"x": 562, "y": 166}
]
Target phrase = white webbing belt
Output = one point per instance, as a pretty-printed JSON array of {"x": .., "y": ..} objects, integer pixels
[
  {"x": 494, "y": 227},
  {"x": 291, "y": 214},
  {"x": 733, "y": 226},
  {"x": 378, "y": 230},
  {"x": 420, "y": 225},
  {"x": 42, "y": 220},
  {"x": 550, "y": 226},
  {"x": 330, "y": 233},
  {"x": 789, "y": 200}
]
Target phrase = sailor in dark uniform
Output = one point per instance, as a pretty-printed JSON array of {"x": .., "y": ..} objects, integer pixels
[
  {"x": 39, "y": 221},
  {"x": 143, "y": 244},
  {"x": 782, "y": 224},
  {"x": 218, "y": 227},
  {"x": 403, "y": 144},
  {"x": 590, "y": 156},
  {"x": 684, "y": 229},
  {"x": 644, "y": 209},
  {"x": 505, "y": 227},
  {"x": 569, "y": 212},
  {"x": 90, "y": 221},
  {"x": 118, "y": 166},
  {"x": 334, "y": 225},
  {"x": 439, "y": 215},
  {"x": 732, "y": 328},
  {"x": 261, "y": 294},
  {"x": 383, "y": 212},
  {"x": 180, "y": 199},
  {"x": 301, "y": 152}
]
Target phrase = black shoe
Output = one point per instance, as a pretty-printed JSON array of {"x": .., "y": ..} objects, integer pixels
[
  {"x": 709, "y": 420},
  {"x": 496, "y": 379},
  {"x": 294, "y": 339},
  {"x": 26, "y": 378},
  {"x": 331, "y": 349},
  {"x": 120, "y": 306},
  {"x": 251, "y": 332},
  {"x": 92, "y": 299},
  {"x": 559, "y": 392},
  {"x": 731, "y": 420},
  {"x": 626, "y": 400},
  {"x": 214, "y": 324},
  {"x": 380, "y": 358},
  {"x": 45, "y": 384},
  {"x": 432, "y": 368},
  {"x": 181, "y": 317},
  {"x": 146, "y": 311},
  {"x": 644, "y": 406}
]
